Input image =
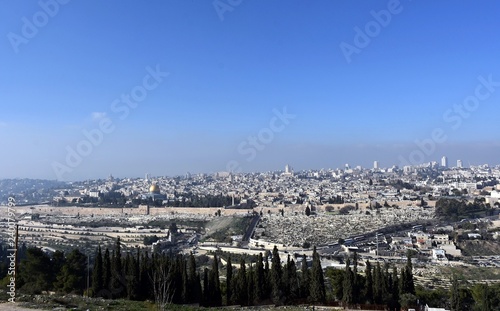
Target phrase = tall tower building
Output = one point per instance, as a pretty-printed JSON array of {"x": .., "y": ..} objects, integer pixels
[
  {"x": 288, "y": 171},
  {"x": 460, "y": 164},
  {"x": 375, "y": 165},
  {"x": 444, "y": 161}
]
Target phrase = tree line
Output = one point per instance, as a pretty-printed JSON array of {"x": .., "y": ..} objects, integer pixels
[{"x": 266, "y": 279}]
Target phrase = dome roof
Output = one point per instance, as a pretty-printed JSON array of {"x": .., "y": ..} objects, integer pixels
[{"x": 154, "y": 188}]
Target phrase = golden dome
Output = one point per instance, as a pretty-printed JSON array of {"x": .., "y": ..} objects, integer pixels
[{"x": 154, "y": 188}]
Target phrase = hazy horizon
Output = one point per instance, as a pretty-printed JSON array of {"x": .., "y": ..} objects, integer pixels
[{"x": 169, "y": 87}]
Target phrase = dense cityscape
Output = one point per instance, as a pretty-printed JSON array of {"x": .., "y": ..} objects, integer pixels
[{"x": 440, "y": 222}]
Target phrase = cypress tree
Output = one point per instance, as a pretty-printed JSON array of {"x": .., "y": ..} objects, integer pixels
[
  {"x": 229, "y": 280},
  {"x": 318, "y": 294},
  {"x": 241, "y": 287},
  {"x": 407, "y": 284},
  {"x": 194, "y": 281},
  {"x": 285, "y": 280},
  {"x": 337, "y": 281},
  {"x": 276, "y": 277},
  {"x": 348, "y": 283},
  {"x": 106, "y": 280},
  {"x": 126, "y": 264},
  {"x": 387, "y": 284},
  {"x": 217, "y": 296},
  {"x": 197, "y": 289},
  {"x": 206, "y": 295},
  {"x": 305, "y": 280},
  {"x": 259, "y": 280},
  {"x": 138, "y": 274},
  {"x": 293, "y": 286},
  {"x": 186, "y": 296},
  {"x": 146, "y": 285},
  {"x": 395, "y": 289},
  {"x": 409, "y": 273},
  {"x": 369, "y": 283},
  {"x": 97, "y": 274},
  {"x": 456, "y": 302},
  {"x": 267, "y": 278},
  {"x": 117, "y": 284},
  {"x": 378, "y": 284},
  {"x": 132, "y": 278},
  {"x": 176, "y": 268},
  {"x": 356, "y": 290},
  {"x": 250, "y": 286}
]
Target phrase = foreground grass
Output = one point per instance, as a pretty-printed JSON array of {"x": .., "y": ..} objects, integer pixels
[{"x": 78, "y": 303}]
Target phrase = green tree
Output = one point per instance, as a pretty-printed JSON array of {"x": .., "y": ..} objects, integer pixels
[
  {"x": 217, "y": 295},
  {"x": 250, "y": 286},
  {"x": 317, "y": 291},
  {"x": 106, "y": 275},
  {"x": 117, "y": 282},
  {"x": 395, "y": 290},
  {"x": 305, "y": 279},
  {"x": 308, "y": 211},
  {"x": 229, "y": 280},
  {"x": 276, "y": 277},
  {"x": 34, "y": 272},
  {"x": 72, "y": 277},
  {"x": 368, "y": 283},
  {"x": 57, "y": 261},
  {"x": 348, "y": 284},
  {"x": 145, "y": 277},
  {"x": 293, "y": 280},
  {"x": 407, "y": 282},
  {"x": 285, "y": 281},
  {"x": 242, "y": 288},
  {"x": 378, "y": 285},
  {"x": 97, "y": 274},
  {"x": 480, "y": 293},
  {"x": 259, "y": 279},
  {"x": 407, "y": 300},
  {"x": 336, "y": 277},
  {"x": 456, "y": 303},
  {"x": 205, "y": 298},
  {"x": 356, "y": 286},
  {"x": 194, "y": 281},
  {"x": 267, "y": 277},
  {"x": 132, "y": 276}
]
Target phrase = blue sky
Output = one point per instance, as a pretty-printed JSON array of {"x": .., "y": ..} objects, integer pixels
[{"x": 231, "y": 65}]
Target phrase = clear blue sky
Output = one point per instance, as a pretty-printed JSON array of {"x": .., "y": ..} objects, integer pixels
[{"x": 227, "y": 72}]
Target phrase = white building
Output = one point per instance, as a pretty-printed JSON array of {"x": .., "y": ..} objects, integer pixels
[
  {"x": 375, "y": 165},
  {"x": 460, "y": 164},
  {"x": 494, "y": 197},
  {"x": 444, "y": 161},
  {"x": 288, "y": 171},
  {"x": 439, "y": 254}
]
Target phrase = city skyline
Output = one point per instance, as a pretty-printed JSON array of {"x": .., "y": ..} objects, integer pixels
[{"x": 174, "y": 87}]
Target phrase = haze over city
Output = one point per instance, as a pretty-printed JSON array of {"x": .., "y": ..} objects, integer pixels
[{"x": 182, "y": 86}]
